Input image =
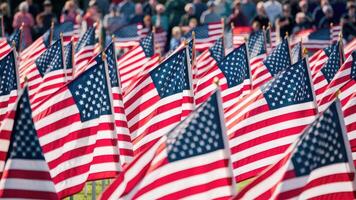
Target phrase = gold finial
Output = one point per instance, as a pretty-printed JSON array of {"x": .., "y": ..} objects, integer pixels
[
  {"x": 22, "y": 25},
  {"x": 216, "y": 81},
  {"x": 232, "y": 26},
  {"x": 305, "y": 51},
  {"x": 103, "y": 55},
  {"x": 337, "y": 93},
  {"x": 340, "y": 36},
  {"x": 286, "y": 36},
  {"x": 154, "y": 29},
  {"x": 113, "y": 37},
  {"x": 193, "y": 34}
]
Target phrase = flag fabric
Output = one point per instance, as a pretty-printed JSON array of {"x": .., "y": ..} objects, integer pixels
[
  {"x": 264, "y": 123},
  {"x": 48, "y": 74},
  {"x": 317, "y": 39},
  {"x": 206, "y": 35},
  {"x": 335, "y": 31},
  {"x": 233, "y": 74},
  {"x": 240, "y": 35},
  {"x": 319, "y": 58},
  {"x": 297, "y": 53},
  {"x": 191, "y": 161},
  {"x": 76, "y": 130},
  {"x": 160, "y": 40},
  {"x": 69, "y": 59},
  {"x": 84, "y": 52},
  {"x": 257, "y": 49},
  {"x": 349, "y": 111},
  {"x": 6, "y": 44},
  {"x": 158, "y": 101},
  {"x": 131, "y": 63},
  {"x": 128, "y": 36},
  {"x": 322, "y": 79},
  {"x": 271, "y": 39},
  {"x": 9, "y": 84},
  {"x": 274, "y": 63},
  {"x": 26, "y": 174},
  {"x": 345, "y": 74},
  {"x": 317, "y": 166},
  {"x": 123, "y": 134},
  {"x": 350, "y": 47}
]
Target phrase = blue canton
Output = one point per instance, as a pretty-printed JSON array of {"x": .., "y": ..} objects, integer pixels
[
  {"x": 171, "y": 76},
  {"x": 332, "y": 65},
  {"x": 198, "y": 134},
  {"x": 68, "y": 56},
  {"x": 8, "y": 81},
  {"x": 321, "y": 144},
  {"x": 256, "y": 44},
  {"x": 353, "y": 66},
  {"x": 297, "y": 53},
  {"x": 147, "y": 45},
  {"x": 15, "y": 37},
  {"x": 87, "y": 39},
  {"x": 190, "y": 50},
  {"x": 91, "y": 94},
  {"x": 58, "y": 29},
  {"x": 328, "y": 50},
  {"x": 128, "y": 31},
  {"x": 321, "y": 34},
  {"x": 217, "y": 50},
  {"x": 110, "y": 57},
  {"x": 24, "y": 142},
  {"x": 51, "y": 59},
  {"x": 235, "y": 66},
  {"x": 290, "y": 87},
  {"x": 279, "y": 59},
  {"x": 201, "y": 32}
]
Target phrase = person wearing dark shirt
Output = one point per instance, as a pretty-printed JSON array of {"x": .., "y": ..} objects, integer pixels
[
  {"x": 318, "y": 13},
  {"x": 149, "y": 7},
  {"x": 33, "y": 8},
  {"x": 328, "y": 18},
  {"x": 304, "y": 8},
  {"x": 301, "y": 23},
  {"x": 199, "y": 8},
  {"x": 47, "y": 15},
  {"x": 260, "y": 20},
  {"x": 237, "y": 18},
  {"x": 348, "y": 22},
  {"x": 285, "y": 23},
  {"x": 138, "y": 18},
  {"x": 190, "y": 14},
  {"x": 7, "y": 19}
]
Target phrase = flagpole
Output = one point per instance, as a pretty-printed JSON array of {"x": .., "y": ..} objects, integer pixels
[
  {"x": 222, "y": 34},
  {"x": 265, "y": 37},
  {"x": 288, "y": 41},
  {"x": 51, "y": 33},
  {"x": 341, "y": 48},
  {"x": 73, "y": 57},
  {"x": 2, "y": 27},
  {"x": 63, "y": 63},
  {"x": 154, "y": 44},
  {"x": 16, "y": 66},
  {"x": 117, "y": 71}
]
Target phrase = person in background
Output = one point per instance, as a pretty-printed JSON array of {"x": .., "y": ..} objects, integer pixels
[
  {"x": 285, "y": 22},
  {"x": 318, "y": 13},
  {"x": 33, "y": 8},
  {"x": 127, "y": 9},
  {"x": 69, "y": 12},
  {"x": 222, "y": 8},
  {"x": 25, "y": 18},
  {"x": 248, "y": 8},
  {"x": 199, "y": 8},
  {"x": 260, "y": 20},
  {"x": 176, "y": 38},
  {"x": 138, "y": 18},
  {"x": 7, "y": 19},
  {"x": 92, "y": 15},
  {"x": 328, "y": 17},
  {"x": 174, "y": 11},
  {"x": 149, "y": 7},
  {"x": 190, "y": 14},
  {"x": 301, "y": 23},
  {"x": 160, "y": 19},
  {"x": 103, "y": 6},
  {"x": 47, "y": 15},
  {"x": 348, "y": 22},
  {"x": 273, "y": 9},
  {"x": 112, "y": 21},
  {"x": 237, "y": 17},
  {"x": 147, "y": 22},
  {"x": 304, "y": 8},
  {"x": 209, "y": 15}
]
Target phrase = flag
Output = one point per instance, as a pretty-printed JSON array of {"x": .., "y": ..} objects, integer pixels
[
  {"x": 319, "y": 58},
  {"x": 257, "y": 49},
  {"x": 6, "y": 44},
  {"x": 240, "y": 35},
  {"x": 84, "y": 52},
  {"x": 48, "y": 74},
  {"x": 345, "y": 74},
  {"x": 131, "y": 63},
  {"x": 206, "y": 35},
  {"x": 190, "y": 162},
  {"x": 76, "y": 130},
  {"x": 26, "y": 174},
  {"x": 233, "y": 74},
  {"x": 160, "y": 38},
  {"x": 128, "y": 36},
  {"x": 349, "y": 111},
  {"x": 69, "y": 59},
  {"x": 297, "y": 53},
  {"x": 264, "y": 123},
  {"x": 325, "y": 75},
  {"x": 350, "y": 47},
  {"x": 335, "y": 31},
  {"x": 271, "y": 39},
  {"x": 158, "y": 101},
  {"x": 274, "y": 63},
  {"x": 123, "y": 134},
  {"x": 9, "y": 84},
  {"x": 317, "y": 166},
  {"x": 317, "y": 39}
]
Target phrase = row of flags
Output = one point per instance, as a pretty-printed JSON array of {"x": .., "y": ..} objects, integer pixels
[{"x": 184, "y": 125}]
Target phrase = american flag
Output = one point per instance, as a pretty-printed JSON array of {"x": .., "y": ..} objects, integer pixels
[
  {"x": 271, "y": 39},
  {"x": 233, "y": 73},
  {"x": 335, "y": 31},
  {"x": 256, "y": 49},
  {"x": 128, "y": 36},
  {"x": 9, "y": 84},
  {"x": 84, "y": 51},
  {"x": 240, "y": 35},
  {"x": 69, "y": 59},
  {"x": 123, "y": 134},
  {"x": 317, "y": 166},
  {"x": 346, "y": 73},
  {"x": 206, "y": 35},
  {"x": 48, "y": 75},
  {"x": 26, "y": 174},
  {"x": 274, "y": 63},
  {"x": 160, "y": 40},
  {"x": 191, "y": 162},
  {"x": 264, "y": 123},
  {"x": 349, "y": 110},
  {"x": 319, "y": 58},
  {"x": 76, "y": 129},
  {"x": 132, "y": 62},
  {"x": 317, "y": 39},
  {"x": 325, "y": 75},
  {"x": 6, "y": 44},
  {"x": 350, "y": 47},
  {"x": 158, "y": 101},
  {"x": 296, "y": 53}
]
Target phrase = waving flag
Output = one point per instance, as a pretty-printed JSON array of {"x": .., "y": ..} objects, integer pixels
[
  {"x": 264, "y": 123},
  {"x": 234, "y": 78},
  {"x": 84, "y": 51},
  {"x": 257, "y": 49},
  {"x": 69, "y": 59},
  {"x": 192, "y": 161},
  {"x": 128, "y": 36},
  {"x": 160, "y": 38},
  {"x": 76, "y": 129},
  {"x": 131, "y": 63},
  {"x": 317, "y": 166},
  {"x": 206, "y": 35},
  {"x": 271, "y": 39},
  {"x": 273, "y": 64},
  {"x": 9, "y": 84},
  {"x": 6, "y": 44},
  {"x": 26, "y": 174},
  {"x": 317, "y": 39},
  {"x": 240, "y": 35},
  {"x": 297, "y": 53},
  {"x": 158, "y": 101},
  {"x": 349, "y": 110}
]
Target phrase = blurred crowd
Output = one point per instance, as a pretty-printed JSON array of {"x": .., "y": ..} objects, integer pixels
[{"x": 180, "y": 16}]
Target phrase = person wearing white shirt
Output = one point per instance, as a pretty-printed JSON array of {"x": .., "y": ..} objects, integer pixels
[{"x": 273, "y": 9}]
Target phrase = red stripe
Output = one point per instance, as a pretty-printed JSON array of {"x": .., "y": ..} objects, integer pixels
[
  {"x": 27, "y": 194},
  {"x": 27, "y": 174}
]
